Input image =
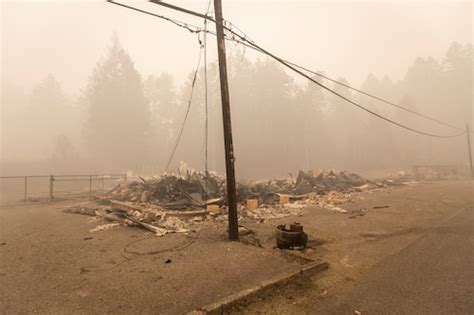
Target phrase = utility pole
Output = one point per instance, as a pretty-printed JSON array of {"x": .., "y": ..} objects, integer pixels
[
  {"x": 229, "y": 149},
  {"x": 468, "y": 131}
]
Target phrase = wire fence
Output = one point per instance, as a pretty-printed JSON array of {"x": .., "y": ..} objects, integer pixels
[{"x": 32, "y": 188}]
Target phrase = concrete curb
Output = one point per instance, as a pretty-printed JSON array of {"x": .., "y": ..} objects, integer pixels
[{"x": 280, "y": 280}]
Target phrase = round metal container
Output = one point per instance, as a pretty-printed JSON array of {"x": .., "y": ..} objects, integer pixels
[{"x": 291, "y": 236}]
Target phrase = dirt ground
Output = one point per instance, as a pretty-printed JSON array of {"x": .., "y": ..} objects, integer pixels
[{"x": 50, "y": 262}]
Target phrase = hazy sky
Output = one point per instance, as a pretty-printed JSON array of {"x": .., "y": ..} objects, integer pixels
[{"x": 348, "y": 39}]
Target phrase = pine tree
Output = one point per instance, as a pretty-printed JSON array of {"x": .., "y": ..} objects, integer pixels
[{"x": 118, "y": 123}]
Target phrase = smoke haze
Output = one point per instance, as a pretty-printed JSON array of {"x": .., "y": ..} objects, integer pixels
[{"x": 94, "y": 87}]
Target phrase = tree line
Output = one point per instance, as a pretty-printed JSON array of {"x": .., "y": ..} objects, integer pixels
[{"x": 122, "y": 120}]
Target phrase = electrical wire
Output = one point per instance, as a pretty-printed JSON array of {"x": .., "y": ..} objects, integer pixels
[
  {"x": 206, "y": 131},
  {"x": 160, "y": 251},
  {"x": 244, "y": 35},
  {"x": 374, "y": 96},
  {"x": 283, "y": 62},
  {"x": 190, "y": 27},
  {"x": 355, "y": 103},
  {"x": 378, "y": 98},
  {"x": 253, "y": 45},
  {"x": 229, "y": 25},
  {"x": 188, "y": 107}
]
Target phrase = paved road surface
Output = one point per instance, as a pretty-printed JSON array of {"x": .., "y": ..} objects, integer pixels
[{"x": 434, "y": 275}]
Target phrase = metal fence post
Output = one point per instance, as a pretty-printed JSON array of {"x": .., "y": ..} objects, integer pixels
[
  {"x": 90, "y": 187},
  {"x": 469, "y": 150},
  {"x": 26, "y": 188},
  {"x": 51, "y": 180}
]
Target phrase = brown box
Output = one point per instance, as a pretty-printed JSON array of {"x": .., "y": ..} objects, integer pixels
[
  {"x": 284, "y": 199},
  {"x": 251, "y": 204},
  {"x": 213, "y": 209}
]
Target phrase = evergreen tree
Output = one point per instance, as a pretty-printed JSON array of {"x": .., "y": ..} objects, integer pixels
[
  {"x": 160, "y": 92},
  {"x": 117, "y": 129},
  {"x": 340, "y": 125},
  {"x": 48, "y": 115},
  {"x": 311, "y": 109}
]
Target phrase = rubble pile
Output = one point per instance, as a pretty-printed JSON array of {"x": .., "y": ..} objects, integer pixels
[
  {"x": 172, "y": 203},
  {"x": 333, "y": 199},
  {"x": 195, "y": 190},
  {"x": 267, "y": 212},
  {"x": 305, "y": 183},
  {"x": 400, "y": 178},
  {"x": 324, "y": 182},
  {"x": 153, "y": 219}
]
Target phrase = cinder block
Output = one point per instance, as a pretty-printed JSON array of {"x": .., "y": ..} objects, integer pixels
[
  {"x": 213, "y": 209},
  {"x": 251, "y": 204},
  {"x": 284, "y": 199}
]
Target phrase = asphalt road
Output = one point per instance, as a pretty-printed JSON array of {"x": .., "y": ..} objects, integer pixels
[{"x": 433, "y": 275}]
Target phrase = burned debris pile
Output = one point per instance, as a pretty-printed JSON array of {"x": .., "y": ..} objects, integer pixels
[
  {"x": 306, "y": 183},
  {"x": 195, "y": 190},
  {"x": 150, "y": 218},
  {"x": 168, "y": 204},
  {"x": 172, "y": 203}
]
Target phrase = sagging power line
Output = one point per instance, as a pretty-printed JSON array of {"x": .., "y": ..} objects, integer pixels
[
  {"x": 243, "y": 39},
  {"x": 371, "y": 95},
  {"x": 190, "y": 27},
  {"x": 190, "y": 100},
  {"x": 255, "y": 46},
  {"x": 206, "y": 105}
]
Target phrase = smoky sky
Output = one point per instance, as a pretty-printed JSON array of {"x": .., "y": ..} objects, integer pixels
[{"x": 344, "y": 39}]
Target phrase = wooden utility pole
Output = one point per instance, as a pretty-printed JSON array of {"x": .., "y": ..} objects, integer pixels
[
  {"x": 468, "y": 131},
  {"x": 229, "y": 148}
]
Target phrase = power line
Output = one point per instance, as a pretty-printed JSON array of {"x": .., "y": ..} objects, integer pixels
[
  {"x": 351, "y": 101},
  {"x": 236, "y": 27},
  {"x": 174, "y": 7},
  {"x": 206, "y": 128},
  {"x": 374, "y": 96},
  {"x": 244, "y": 35},
  {"x": 190, "y": 27},
  {"x": 188, "y": 108},
  {"x": 283, "y": 62},
  {"x": 253, "y": 45}
]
